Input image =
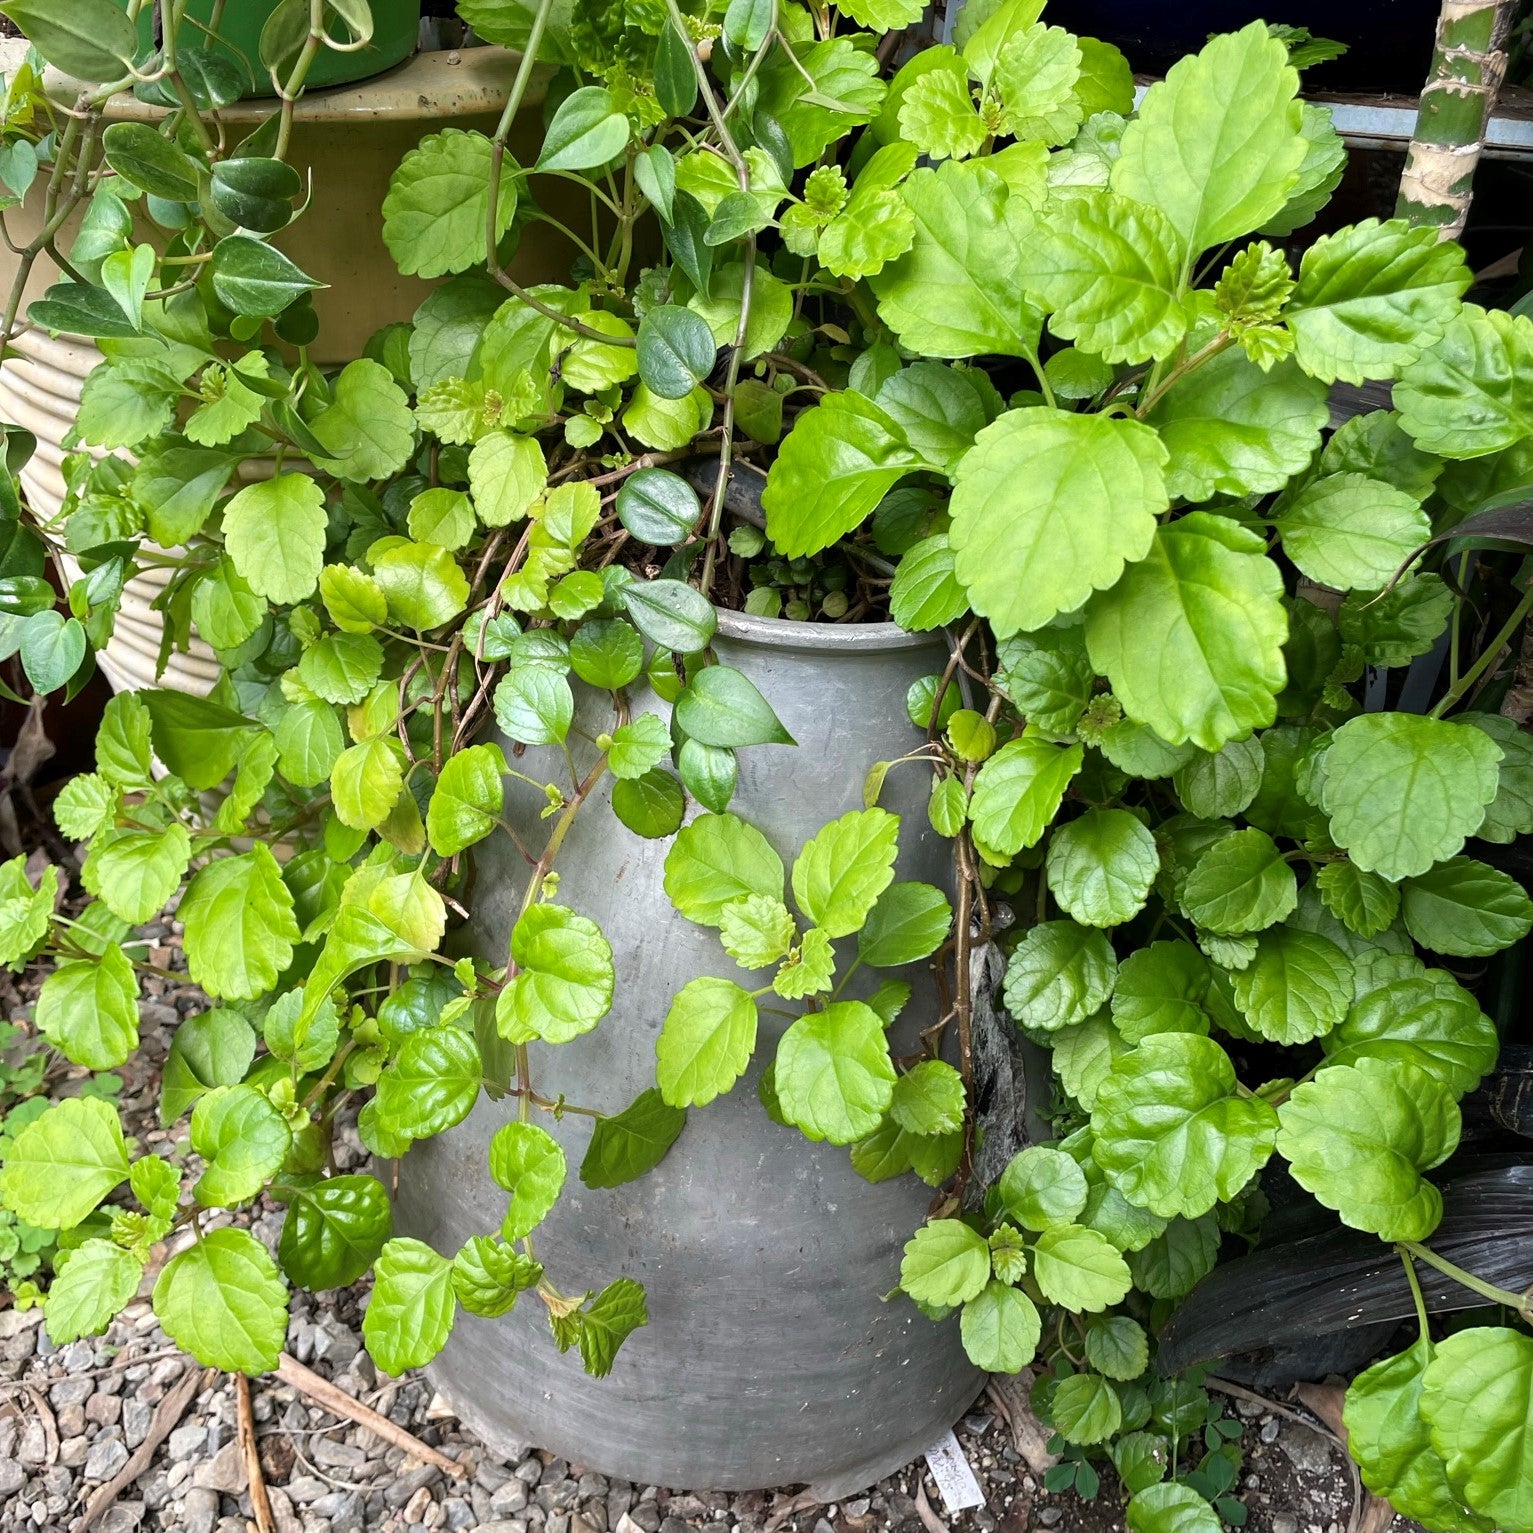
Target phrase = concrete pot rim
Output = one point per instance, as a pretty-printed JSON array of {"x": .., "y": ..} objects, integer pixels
[
  {"x": 437, "y": 86},
  {"x": 818, "y": 638}
]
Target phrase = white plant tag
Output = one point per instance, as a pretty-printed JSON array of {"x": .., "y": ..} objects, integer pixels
[{"x": 950, "y": 1469}]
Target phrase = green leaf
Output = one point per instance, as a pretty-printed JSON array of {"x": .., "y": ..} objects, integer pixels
[
  {"x": 1086, "y": 1409},
  {"x": 255, "y": 280},
  {"x": 224, "y": 1301},
  {"x": 716, "y": 859},
  {"x": 651, "y": 806},
  {"x": 1058, "y": 975},
  {"x": 89, "y": 39},
  {"x": 1160, "y": 989},
  {"x": 487, "y": 1276},
  {"x": 410, "y": 1314},
  {"x": 1171, "y": 1133},
  {"x": 1469, "y": 394},
  {"x": 432, "y": 1084},
  {"x": 1118, "y": 1347},
  {"x": 1373, "y": 444},
  {"x": 670, "y": 614},
  {"x": 134, "y": 872},
  {"x": 275, "y": 533},
  {"x": 366, "y": 782},
  {"x": 1297, "y": 988},
  {"x": 61, "y": 1165},
  {"x": 243, "y": 1139},
  {"x": 1101, "y": 866},
  {"x": 368, "y": 429},
  {"x": 1347, "y": 530},
  {"x": 1079, "y": 1268},
  {"x": 1110, "y": 270},
  {"x": 706, "y": 1041},
  {"x": 423, "y": 585},
  {"x": 587, "y": 130},
  {"x": 469, "y": 798},
  {"x": 926, "y": 593},
  {"x": 958, "y": 290},
  {"x": 945, "y": 1262},
  {"x": 1048, "y": 507},
  {"x": 1175, "y": 1261},
  {"x": 608, "y": 653},
  {"x": 1389, "y": 1437},
  {"x": 1232, "y": 428},
  {"x": 437, "y": 208},
  {"x": 1018, "y": 791},
  {"x": 723, "y": 707},
  {"x": 1220, "y": 784},
  {"x": 1216, "y": 145},
  {"x": 627, "y": 1144},
  {"x": 676, "y": 350},
  {"x": 1213, "y": 598},
  {"x": 1240, "y": 884},
  {"x": 1403, "y": 791},
  {"x": 1477, "y": 1400},
  {"x": 527, "y": 1161},
  {"x": 659, "y": 507},
  {"x": 1000, "y": 1327},
  {"x": 334, "y": 1231},
  {"x": 842, "y": 871},
  {"x": 1042, "y": 1188},
  {"x": 1359, "y": 1136},
  {"x": 615, "y": 1314},
  {"x": 507, "y": 473},
  {"x": 833, "y": 1074},
  {"x": 224, "y": 608},
  {"x": 96, "y": 1282},
  {"x": 1464, "y": 908},
  {"x": 1394, "y": 627},
  {"x": 564, "y": 981},
  {"x": 838, "y": 462},
  {"x": 929, "y": 1098},
  {"x": 214, "y": 1048},
  {"x": 1363, "y": 902},
  {"x": 1372, "y": 297},
  {"x": 909, "y": 922},
  {"x": 240, "y": 927},
  {"x": 88, "y": 1009},
  {"x": 1511, "y": 812},
  {"x": 638, "y": 746},
  {"x": 1171, "y": 1508}
]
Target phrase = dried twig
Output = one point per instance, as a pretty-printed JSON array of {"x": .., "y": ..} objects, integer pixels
[
  {"x": 169, "y": 1411},
  {"x": 291, "y": 1372},
  {"x": 259, "y": 1501},
  {"x": 1009, "y": 1394},
  {"x": 49, "y": 1425},
  {"x": 929, "y": 1519},
  {"x": 804, "y": 1501}
]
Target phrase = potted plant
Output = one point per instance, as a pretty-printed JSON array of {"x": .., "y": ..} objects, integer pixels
[{"x": 1015, "y": 399}]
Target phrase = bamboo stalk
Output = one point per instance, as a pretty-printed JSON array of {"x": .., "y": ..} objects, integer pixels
[{"x": 1468, "y": 66}]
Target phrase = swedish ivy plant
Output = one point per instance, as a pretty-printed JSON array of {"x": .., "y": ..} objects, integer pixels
[{"x": 1022, "y": 361}]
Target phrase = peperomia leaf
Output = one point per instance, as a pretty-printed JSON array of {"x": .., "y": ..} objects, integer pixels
[
  {"x": 1171, "y": 1132},
  {"x": 706, "y": 1041},
  {"x": 1058, "y": 975},
  {"x": 1048, "y": 507},
  {"x": 410, "y": 1314},
  {"x": 1403, "y": 791},
  {"x": 1212, "y": 597},
  {"x": 723, "y": 707},
  {"x": 945, "y": 1262},
  {"x": 1465, "y": 908},
  {"x": 1359, "y": 1136},
  {"x": 833, "y": 1074},
  {"x": 224, "y": 1301},
  {"x": 1101, "y": 866}
]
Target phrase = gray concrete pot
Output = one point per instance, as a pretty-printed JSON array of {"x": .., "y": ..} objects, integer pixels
[{"x": 770, "y": 1357}]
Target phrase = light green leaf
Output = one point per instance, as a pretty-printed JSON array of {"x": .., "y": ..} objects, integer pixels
[
  {"x": 1472, "y": 392},
  {"x": 438, "y": 202},
  {"x": 756, "y": 930},
  {"x": 706, "y": 1041},
  {"x": 1079, "y": 1268},
  {"x": 841, "y": 872},
  {"x": 1404, "y": 791},
  {"x": 909, "y": 922},
  {"x": 366, "y": 782},
  {"x": 240, "y": 927},
  {"x": 243, "y": 1139},
  {"x": 487, "y": 1276},
  {"x": 368, "y": 429},
  {"x": 937, "y": 113},
  {"x": 1035, "y": 74},
  {"x": 1160, "y": 989},
  {"x": 213, "y": 1048},
  {"x": 88, "y": 1009},
  {"x": 134, "y": 872},
  {"x": 89, "y": 39},
  {"x": 422, "y": 583},
  {"x": 1373, "y": 444},
  {"x": 1347, "y": 530},
  {"x": 716, "y": 859},
  {"x": 1240, "y": 884},
  {"x": 945, "y": 1262},
  {"x": 432, "y": 1084},
  {"x": 410, "y": 1313},
  {"x": 1000, "y": 1327},
  {"x": 96, "y": 1282},
  {"x": 627, "y": 1144},
  {"x": 275, "y": 533},
  {"x": 1359, "y": 1136},
  {"x": 1372, "y": 297},
  {"x": 1058, "y": 975},
  {"x": 929, "y": 1099},
  {"x": 223, "y": 1301},
  {"x": 507, "y": 473},
  {"x": 1171, "y": 1133},
  {"x": 564, "y": 981},
  {"x": 1233, "y": 428},
  {"x": 1465, "y": 909},
  {"x": 1101, "y": 866},
  {"x": 1042, "y": 1188},
  {"x": 1213, "y": 599},
  {"x": 527, "y": 1161},
  {"x": 1363, "y": 902},
  {"x": 469, "y": 798},
  {"x": 614, "y": 1315},
  {"x": 1086, "y": 1409},
  {"x": 1018, "y": 791},
  {"x": 63, "y": 1163},
  {"x": 1217, "y": 144},
  {"x": 1048, "y": 507},
  {"x": 926, "y": 593},
  {"x": 833, "y": 1073},
  {"x": 1297, "y": 988},
  {"x": 1171, "y": 1508}
]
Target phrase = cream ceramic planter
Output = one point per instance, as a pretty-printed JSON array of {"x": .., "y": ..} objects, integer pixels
[{"x": 350, "y": 140}]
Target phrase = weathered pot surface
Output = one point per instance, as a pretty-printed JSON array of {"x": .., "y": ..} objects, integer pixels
[{"x": 770, "y": 1356}]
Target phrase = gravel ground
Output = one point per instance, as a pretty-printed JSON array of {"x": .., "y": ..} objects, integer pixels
[{"x": 71, "y": 1417}]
